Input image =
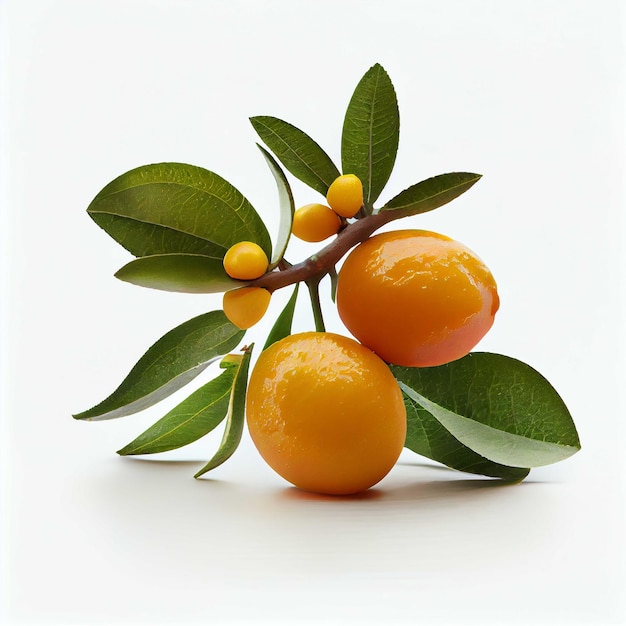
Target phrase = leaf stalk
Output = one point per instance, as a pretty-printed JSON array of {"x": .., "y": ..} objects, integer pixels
[{"x": 313, "y": 285}]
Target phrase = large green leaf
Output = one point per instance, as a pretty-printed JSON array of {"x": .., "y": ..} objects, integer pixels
[
  {"x": 427, "y": 437},
  {"x": 175, "y": 359},
  {"x": 193, "y": 418},
  {"x": 187, "y": 273},
  {"x": 144, "y": 239},
  {"x": 497, "y": 406},
  {"x": 282, "y": 325},
  {"x": 236, "y": 415},
  {"x": 175, "y": 207},
  {"x": 371, "y": 132},
  {"x": 302, "y": 156},
  {"x": 286, "y": 206},
  {"x": 431, "y": 193}
]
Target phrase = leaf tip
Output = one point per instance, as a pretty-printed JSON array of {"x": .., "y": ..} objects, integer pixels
[
  {"x": 86, "y": 416},
  {"x": 123, "y": 273},
  {"x": 231, "y": 360},
  {"x": 255, "y": 120}
]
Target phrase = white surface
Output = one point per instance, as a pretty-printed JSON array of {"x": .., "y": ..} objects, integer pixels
[{"x": 530, "y": 94}]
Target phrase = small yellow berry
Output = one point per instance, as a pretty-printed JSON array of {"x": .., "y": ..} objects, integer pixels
[
  {"x": 345, "y": 195},
  {"x": 245, "y": 261},
  {"x": 315, "y": 222},
  {"x": 245, "y": 306}
]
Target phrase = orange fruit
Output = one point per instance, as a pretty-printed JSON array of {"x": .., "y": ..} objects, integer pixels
[
  {"x": 416, "y": 298},
  {"x": 325, "y": 413},
  {"x": 315, "y": 222},
  {"x": 245, "y": 260},
  {"x": 245, "y": 306},
  {"x": 345, "y": 195}
]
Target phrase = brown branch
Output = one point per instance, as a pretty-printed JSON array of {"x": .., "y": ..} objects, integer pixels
[{"x": 325, "y": 260}]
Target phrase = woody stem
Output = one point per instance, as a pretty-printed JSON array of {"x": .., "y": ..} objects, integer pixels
[{"x": 313, "y": 269}]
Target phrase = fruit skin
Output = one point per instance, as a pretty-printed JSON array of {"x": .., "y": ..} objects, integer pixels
[
  {"x": 245, "y": 306},
  {"x": 245, "y": 260},
  {"x": 345, "y": 195},
  {"x": 315, "y": 222},
  {"x": 416, "y": 298},
  {"x": 325, "y": 413}
]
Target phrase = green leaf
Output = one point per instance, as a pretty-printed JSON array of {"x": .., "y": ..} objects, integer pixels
[
  {"x": 428, "y": 438},
  {"x": 431, "y": 193},
  {"x": 176, "y": 208},
  {"x": 302, "y": 156},
  {"x": 174, "y": 360},
  {"x": 193, "y": 418},
  {"x": 283, "y": 323},
  {"x": 236, "y": 416},
  {"x": 497, "y": 406},
  {"x": 287, "y": 209},
  {"x": 145, "y": 239},
  {"x": 186, "y": 273},
  {"x": 371, "y": 132}
]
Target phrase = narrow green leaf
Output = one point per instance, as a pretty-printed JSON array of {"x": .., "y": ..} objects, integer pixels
[
  {"x": 428, "y": 438},
  {"x": 286, "y": 206},
  {"x": 302, "y": 156},
  {"x": 497, "y": 406},
  {"x": 186, "y": 273},
  {"x": 371, "y": 131},
  {"x": 432, "y": 193},
  {"x": 236, "y": 416},
  {"x": 193, "y": 418},
  {"x": 174, "y": 207},
  {"x": 283, "y": 323},
  {"x": 174, "y": 360}
]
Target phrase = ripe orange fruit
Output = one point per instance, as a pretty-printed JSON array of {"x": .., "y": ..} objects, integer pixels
[
  {"x": 245, "y": 260},
  {"x": 245, "y": 306},
  {"x": 345, "y": 195},
  {"x": 315, "y": 222},
  {"x": 325, "y": 413},
  {"x": 416, "y": 298}
]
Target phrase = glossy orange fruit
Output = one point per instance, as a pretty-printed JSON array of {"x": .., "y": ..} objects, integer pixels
[
  {"x": 416, "y": 298},
  {"x": 325, "y": 413}
]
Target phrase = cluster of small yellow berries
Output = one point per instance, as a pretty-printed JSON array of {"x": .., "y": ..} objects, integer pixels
[
  {"x": 316, "y": 222},
  {"x": 245, "y": 306},
  {"x": 247, "y": 261}
]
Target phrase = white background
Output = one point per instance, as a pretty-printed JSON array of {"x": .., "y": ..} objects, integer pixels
[{"x": 530, "y": 94}]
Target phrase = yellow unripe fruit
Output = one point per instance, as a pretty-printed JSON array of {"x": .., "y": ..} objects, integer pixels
[
  {"x": 245, "y": 261},
  {"x": 246, "y": 306},
  {"x": 315, "y": 222},
  {"x": 345, "y": 195}
]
